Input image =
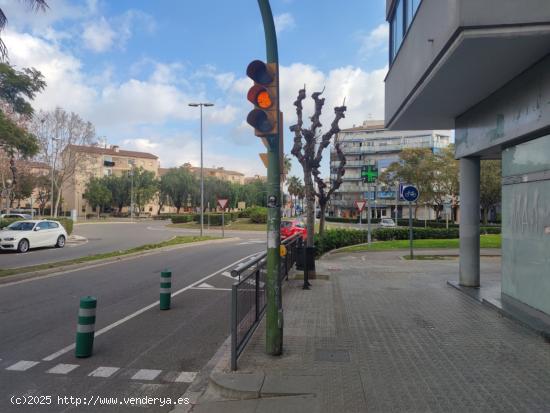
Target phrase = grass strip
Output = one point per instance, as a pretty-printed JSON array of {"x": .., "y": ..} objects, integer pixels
[
  {"x": 486, "y": 241},
  {"x": 147, "y": 247}
]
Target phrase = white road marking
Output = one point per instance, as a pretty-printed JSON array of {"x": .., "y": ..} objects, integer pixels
[
  {"x": 104, "y": 371},
  {"x": 145, "y": 374},
  {"x": 185, "y": 377},
  {"x": 228, "y": 274},
  {"x": 205, "y": 285},
  {"x": 62, "y": 368},
  {"x": 22, "y": 365},
  {"x": 212, "y": 289},
  {"x": 142, "y": 310}
]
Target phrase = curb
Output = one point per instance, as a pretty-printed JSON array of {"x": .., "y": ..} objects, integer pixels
[{"x": 52, "y": 272}]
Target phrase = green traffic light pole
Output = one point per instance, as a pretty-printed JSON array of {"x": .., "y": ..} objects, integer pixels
[{"x": 274, "y": 310}]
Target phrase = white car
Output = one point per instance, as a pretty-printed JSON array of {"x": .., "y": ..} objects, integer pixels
[
  {"x": 387, "y": 222},
  {"x": 23, "y": 235}
]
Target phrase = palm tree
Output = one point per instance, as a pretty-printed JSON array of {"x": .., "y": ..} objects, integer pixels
[
  {"x": 34, "y": 5},
  {"x": 294, "y": 187}
]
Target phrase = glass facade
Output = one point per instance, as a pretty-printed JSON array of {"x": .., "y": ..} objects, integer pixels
[
  {"x": 400, "y": 20},
  {"x": 526, "y": 223}
]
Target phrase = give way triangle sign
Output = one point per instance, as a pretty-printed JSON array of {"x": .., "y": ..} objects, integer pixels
[
  {"x": 222, "y": 203},
  {"x": 360, "y": 205}
]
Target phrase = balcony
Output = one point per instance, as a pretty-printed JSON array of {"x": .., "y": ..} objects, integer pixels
[{"x": 456, "y": 53}]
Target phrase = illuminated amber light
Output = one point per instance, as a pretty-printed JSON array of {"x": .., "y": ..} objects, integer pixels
[{"x": 263, "y": 100}]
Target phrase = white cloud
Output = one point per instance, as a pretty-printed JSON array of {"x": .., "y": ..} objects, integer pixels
[
  {"x": 66, "y": 85},
  {"x": 375, "y": 41},
  {"x": 284, "y": 22},
  {"x": 98, "y": 36}
]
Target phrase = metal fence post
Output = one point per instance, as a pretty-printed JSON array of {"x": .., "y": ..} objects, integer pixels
[
  {"x": 257, "y": 293},
  {"x": 234, "y": 327}
]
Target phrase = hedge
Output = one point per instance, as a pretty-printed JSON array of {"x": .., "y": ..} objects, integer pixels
[
  {"x": 257, "y": 215},
  {"x": 339, "y": 237},
  {"x": 351, "y": 220},
  {"x": 216, "y": 218},
  {"x": 66, "y": 222},
  {"x": 180, "y": 219}
]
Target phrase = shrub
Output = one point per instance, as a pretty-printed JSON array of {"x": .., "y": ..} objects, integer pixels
[
  {"x": 180, "y": 219},
  {"x": 258, "y": 215},
  {"x": 6, "y": 222},
  {"x": 351, "y": 220}
]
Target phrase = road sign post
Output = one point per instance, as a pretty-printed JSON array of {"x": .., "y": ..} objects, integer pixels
[
  {"x": 222, "y": 203},
  {"x": 410, "y": 194}
]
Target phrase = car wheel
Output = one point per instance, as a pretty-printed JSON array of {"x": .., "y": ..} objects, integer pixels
[
  {"x": 23, "y": 246},
  {"x": 60, "y": 242}
]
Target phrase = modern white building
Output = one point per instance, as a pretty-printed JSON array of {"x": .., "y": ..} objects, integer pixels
[
  {"x": 482, "y": 67},
  {"x": 373, "y": 144}
]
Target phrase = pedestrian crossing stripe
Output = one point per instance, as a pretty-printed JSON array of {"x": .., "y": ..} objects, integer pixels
[{"x": 104, "y": 372}]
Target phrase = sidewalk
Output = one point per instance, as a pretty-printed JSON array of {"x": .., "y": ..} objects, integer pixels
[{"x": 383, "y": 334}]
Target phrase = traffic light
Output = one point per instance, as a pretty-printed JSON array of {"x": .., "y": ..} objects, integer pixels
[{"x": 264, "y": 96}]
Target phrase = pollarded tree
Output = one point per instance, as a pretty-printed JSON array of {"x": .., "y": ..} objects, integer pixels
[{"x": 309, "y": 153}]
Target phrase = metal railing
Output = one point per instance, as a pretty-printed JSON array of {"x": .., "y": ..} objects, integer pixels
[{"x": 248, "y": 295}]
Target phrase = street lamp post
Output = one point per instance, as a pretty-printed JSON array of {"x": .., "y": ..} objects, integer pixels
[
  {"x": 202, "y": 174},
  {"x": 53, "y": 170}
]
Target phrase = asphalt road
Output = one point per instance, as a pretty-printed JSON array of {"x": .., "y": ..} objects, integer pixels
[
  {"x": 150, "y": 353},
  {"x": 110, "y": 236}
]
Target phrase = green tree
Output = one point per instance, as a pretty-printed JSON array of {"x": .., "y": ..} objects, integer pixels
[
  {"x": 490, "y": 186},
  {"x": 24, "y": 187},
  {"x": 119, "y": 186},
  {"x": 177, "y": 185},
  {"x": 295, "y": 189},
  {"x": 98, "y": 194},
  {"x": 145, "y": 187}
]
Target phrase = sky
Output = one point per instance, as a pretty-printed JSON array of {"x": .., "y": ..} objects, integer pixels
[{"x": 131, "y": 67}]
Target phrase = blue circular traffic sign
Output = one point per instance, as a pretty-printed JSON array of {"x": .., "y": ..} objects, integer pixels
[{"x": 410, "y": 193}]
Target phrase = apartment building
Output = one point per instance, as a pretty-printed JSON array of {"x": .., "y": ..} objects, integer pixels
[
  {"x": 483, "y": 68},
  {"x": 373, "y": 144},
  {"x": 96, "y": 161},
  {"x": 220, "y": 173}
]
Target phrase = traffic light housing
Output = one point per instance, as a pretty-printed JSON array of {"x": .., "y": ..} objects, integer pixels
[{"x": 264, "y": 96}]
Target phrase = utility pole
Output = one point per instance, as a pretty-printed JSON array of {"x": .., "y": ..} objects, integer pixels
[{"x": 270, "y": 97}]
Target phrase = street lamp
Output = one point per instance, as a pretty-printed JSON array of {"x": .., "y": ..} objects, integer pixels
[
  {"x": 202, "y": 176},
  {"x": 53, "y": 169}
]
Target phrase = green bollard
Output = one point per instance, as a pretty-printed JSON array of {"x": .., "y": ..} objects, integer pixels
[
  {"x": 86, "y": 327},
  {"x": 165, "y": 289}
]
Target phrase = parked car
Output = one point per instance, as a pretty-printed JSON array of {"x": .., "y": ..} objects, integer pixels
[
  {"x": 289, "y": 228},
  {"x": 15, "y": 216},
  {"x": 23, "y": 235},
  {"x": 387, "y": 222}
]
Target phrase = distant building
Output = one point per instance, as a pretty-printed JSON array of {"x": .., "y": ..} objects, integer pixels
[
  {"x": 220, "y": 173},
  {"x": 372, "y": 144},
  {"x": 95, "y": 161},
  {"x": 250, "y": 179}
]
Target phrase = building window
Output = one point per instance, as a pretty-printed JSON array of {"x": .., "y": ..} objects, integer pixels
[{"x": 400, "y": 21}]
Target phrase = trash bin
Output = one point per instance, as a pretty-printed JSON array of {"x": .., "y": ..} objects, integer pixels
[{"x": 302, "y": 252}]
